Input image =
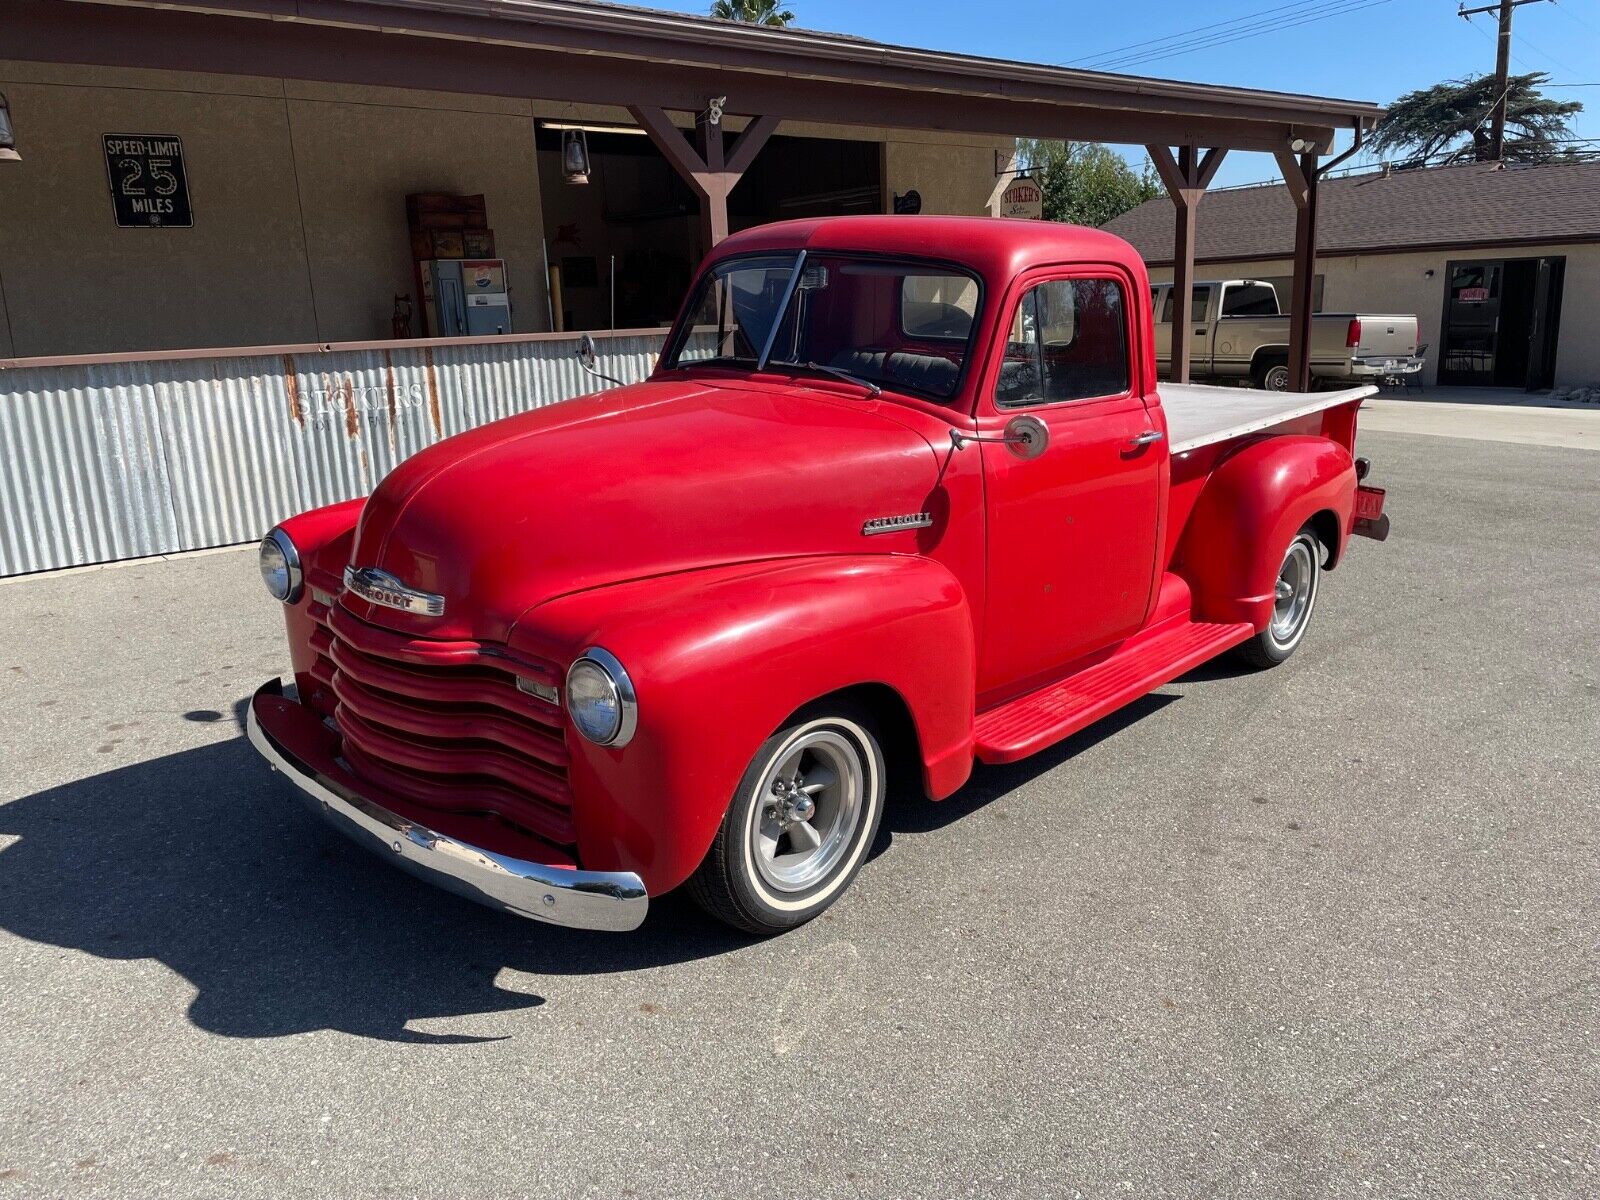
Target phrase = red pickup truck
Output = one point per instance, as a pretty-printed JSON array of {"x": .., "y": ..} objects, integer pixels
[{"x": 900, "y": 495}]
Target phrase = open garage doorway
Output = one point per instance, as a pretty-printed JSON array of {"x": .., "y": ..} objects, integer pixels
[
  {"x": 637, "y": 217},
  {"x": 1501, "y": 319}
]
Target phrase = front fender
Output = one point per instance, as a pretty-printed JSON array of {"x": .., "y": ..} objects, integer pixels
[
  {"x": 1249, "y": 510},
  {"x": 324, "y": 537},
  {"x": 720, "y": 658}
]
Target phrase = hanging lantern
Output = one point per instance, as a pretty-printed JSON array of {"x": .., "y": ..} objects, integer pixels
[
  {"x": 575, "y": 156},
  {"x": 8, "y": 140}
]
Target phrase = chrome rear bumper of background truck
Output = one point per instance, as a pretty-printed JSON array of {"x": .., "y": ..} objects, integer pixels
[
  {"x": 607, "y": 900},
  {"x": 1383, "y": 368}
]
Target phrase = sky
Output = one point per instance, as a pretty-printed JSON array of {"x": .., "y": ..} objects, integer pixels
[{"x": 1355, "y": 49}]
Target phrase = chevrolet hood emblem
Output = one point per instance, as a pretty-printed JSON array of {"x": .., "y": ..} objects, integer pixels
[{"x": 380, "y": 587}]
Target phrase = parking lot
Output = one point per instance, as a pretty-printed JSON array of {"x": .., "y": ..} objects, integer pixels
[{"x": 1327, "y": 930}]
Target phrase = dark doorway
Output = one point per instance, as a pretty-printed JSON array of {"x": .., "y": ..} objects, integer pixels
[
  {"x": 623, "y": 246},
  {"x": 1501, "y": 318}
]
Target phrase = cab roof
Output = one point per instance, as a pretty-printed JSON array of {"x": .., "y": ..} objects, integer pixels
[{"x": 995, "y": 248}]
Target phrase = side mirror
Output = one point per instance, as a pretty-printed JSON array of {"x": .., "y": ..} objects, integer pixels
[{"x": 588, "y": 357}]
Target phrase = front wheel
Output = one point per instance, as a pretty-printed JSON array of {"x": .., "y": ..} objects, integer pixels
[
  {"x": 800, "y": 823},
  {"x": 1294, "y": 596}
]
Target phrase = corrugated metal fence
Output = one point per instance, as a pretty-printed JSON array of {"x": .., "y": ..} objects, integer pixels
[{"x": 121, "y": 459}]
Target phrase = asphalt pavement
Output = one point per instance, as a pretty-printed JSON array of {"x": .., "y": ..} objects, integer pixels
[{"x": 1328, "y": 930}]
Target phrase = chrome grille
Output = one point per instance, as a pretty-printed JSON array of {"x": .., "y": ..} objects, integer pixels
[{"x": 444, "y": 725}]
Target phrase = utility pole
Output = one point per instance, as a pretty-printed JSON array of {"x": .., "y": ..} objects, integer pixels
[{"x": 1502, "y": 68}]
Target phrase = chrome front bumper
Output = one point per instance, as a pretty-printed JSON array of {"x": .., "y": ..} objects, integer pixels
[{"x": 609, "y": 900}]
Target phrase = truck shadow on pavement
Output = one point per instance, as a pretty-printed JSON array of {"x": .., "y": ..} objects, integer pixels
[
  {"x": 206, "y": 862},
  {"x": 912, "y": 812}
]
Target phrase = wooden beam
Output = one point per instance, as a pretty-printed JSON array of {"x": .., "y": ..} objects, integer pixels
[
  {"x": 1302, "y": 290},
  {"x": 1182, "y": 288},
  {"x": 1209, "y": 165},
  {"x": 1167, "y": 168},
  {"x": 750, "y": 142},
  {"x": 1186, "y": 177},
  {"x": 672, "y": 143},
  {"x": 708, "y": 132},
  {"x": 707, "y": 168},
  {"x": 718, "y": 183},
  {"x": 1298, "y": 180}
]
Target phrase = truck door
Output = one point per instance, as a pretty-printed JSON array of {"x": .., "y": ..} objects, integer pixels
[{"x": 1072, "y": 527}]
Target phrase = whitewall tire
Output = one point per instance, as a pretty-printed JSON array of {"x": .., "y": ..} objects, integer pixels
[{"x": 800, "y": 823}]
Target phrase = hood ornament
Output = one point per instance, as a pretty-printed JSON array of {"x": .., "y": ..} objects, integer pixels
[{"x": 380, "y": 587}]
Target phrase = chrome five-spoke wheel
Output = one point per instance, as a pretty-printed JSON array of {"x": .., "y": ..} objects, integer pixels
[
  {"x": 799, "y": 825},
  {"x": 1294, "y": 595},
  {"x": 1294, "y": 590},
  {"x": 811, "y": 803}
]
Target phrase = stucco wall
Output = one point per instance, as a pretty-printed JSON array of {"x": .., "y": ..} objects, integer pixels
[
  {"x": 74, "y": 282},
  {"x": 298, "y": 192},
  {"x": 1400, "y": 283}
]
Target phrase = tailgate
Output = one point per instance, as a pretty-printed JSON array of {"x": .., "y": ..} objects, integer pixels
[{"x": 1387, "y": 337}]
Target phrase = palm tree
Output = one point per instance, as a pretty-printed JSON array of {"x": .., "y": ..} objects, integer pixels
[
  {"x": 753, "y": 12},
  {"x": 1450, "y": 121}
]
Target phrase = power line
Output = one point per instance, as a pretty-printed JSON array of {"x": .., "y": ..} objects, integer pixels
[
  {"x": 1241, "y": 33},
  {"x": 1173, "y": 37},
  {"x": 1562, "y": 9}
]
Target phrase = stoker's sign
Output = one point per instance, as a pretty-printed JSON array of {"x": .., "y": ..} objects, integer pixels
[
  {"x": 1023, "y": 199},
  {"x": 149, "y": 189}
]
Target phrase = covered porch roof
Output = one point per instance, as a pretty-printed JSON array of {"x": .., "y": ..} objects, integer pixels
[{"x": 585, "y": 51}]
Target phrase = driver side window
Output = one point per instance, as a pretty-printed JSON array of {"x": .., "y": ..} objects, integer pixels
[{"x": 1068, "y": 341}]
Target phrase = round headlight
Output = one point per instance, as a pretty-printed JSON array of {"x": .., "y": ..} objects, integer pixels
[
  {"x": 600, "y": 698},
  {"x": 280, "y": 567}
]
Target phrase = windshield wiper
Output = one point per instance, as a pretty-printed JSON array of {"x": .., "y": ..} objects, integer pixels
[{"x": 837, "y": 372}]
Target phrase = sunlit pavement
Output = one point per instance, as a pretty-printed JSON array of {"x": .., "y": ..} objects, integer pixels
[
  {"x": 1573, "y": 427},
  {"x": 1325, "y": 930}
]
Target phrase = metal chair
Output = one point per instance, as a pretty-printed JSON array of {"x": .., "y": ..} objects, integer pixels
[{"x": 1415, "y": 380}]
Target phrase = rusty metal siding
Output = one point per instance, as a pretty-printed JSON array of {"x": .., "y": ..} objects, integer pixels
[{"x": 111, "y": 460}]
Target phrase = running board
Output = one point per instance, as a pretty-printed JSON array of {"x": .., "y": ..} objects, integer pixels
[{"x": 1143, "y": 663}]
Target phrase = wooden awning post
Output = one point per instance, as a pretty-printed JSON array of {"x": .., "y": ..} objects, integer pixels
[
  {"x": 710, "y": 171},
  {"x": 1301, "y": 176},
  {"x": 1186, "y": 178}
]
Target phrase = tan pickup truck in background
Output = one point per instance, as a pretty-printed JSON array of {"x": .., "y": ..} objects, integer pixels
[{"x": 1240, "y": 332}]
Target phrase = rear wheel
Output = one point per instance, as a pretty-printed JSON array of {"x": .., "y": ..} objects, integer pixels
[
  {"x": 1273, "y": 375},
  {"x": 800, "y": 823},
  {"x": 1294, "y": 597}
]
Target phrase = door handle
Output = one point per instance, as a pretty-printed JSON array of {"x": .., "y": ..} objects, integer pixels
[
  {"x": 1147, "y": 438},
  {"x": 1200, "y": 331}
]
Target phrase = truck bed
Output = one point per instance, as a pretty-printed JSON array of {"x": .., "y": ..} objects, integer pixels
[{"x": 1198, "y": 415}]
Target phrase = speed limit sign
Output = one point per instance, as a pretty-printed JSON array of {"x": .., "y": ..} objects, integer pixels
[{"x": 149, "y": 189}]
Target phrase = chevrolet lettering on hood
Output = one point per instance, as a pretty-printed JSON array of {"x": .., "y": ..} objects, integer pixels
[{"x": 380, "y": 587}]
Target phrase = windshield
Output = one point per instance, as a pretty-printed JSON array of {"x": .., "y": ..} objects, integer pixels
[{"x": 907, "y": 326}]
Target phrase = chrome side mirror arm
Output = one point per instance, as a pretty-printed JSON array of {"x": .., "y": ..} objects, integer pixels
[
  {"x": 586, "y": 359},
  {"x": 1027, "y": 437}
]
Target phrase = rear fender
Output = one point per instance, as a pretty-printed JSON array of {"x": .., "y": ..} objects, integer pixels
[
  {"x": 1249, "y": 510},
  {"x": 720, "y": 658}
]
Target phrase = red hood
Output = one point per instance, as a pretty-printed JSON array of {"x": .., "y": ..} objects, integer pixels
[{"x": 639, "y": 481}]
